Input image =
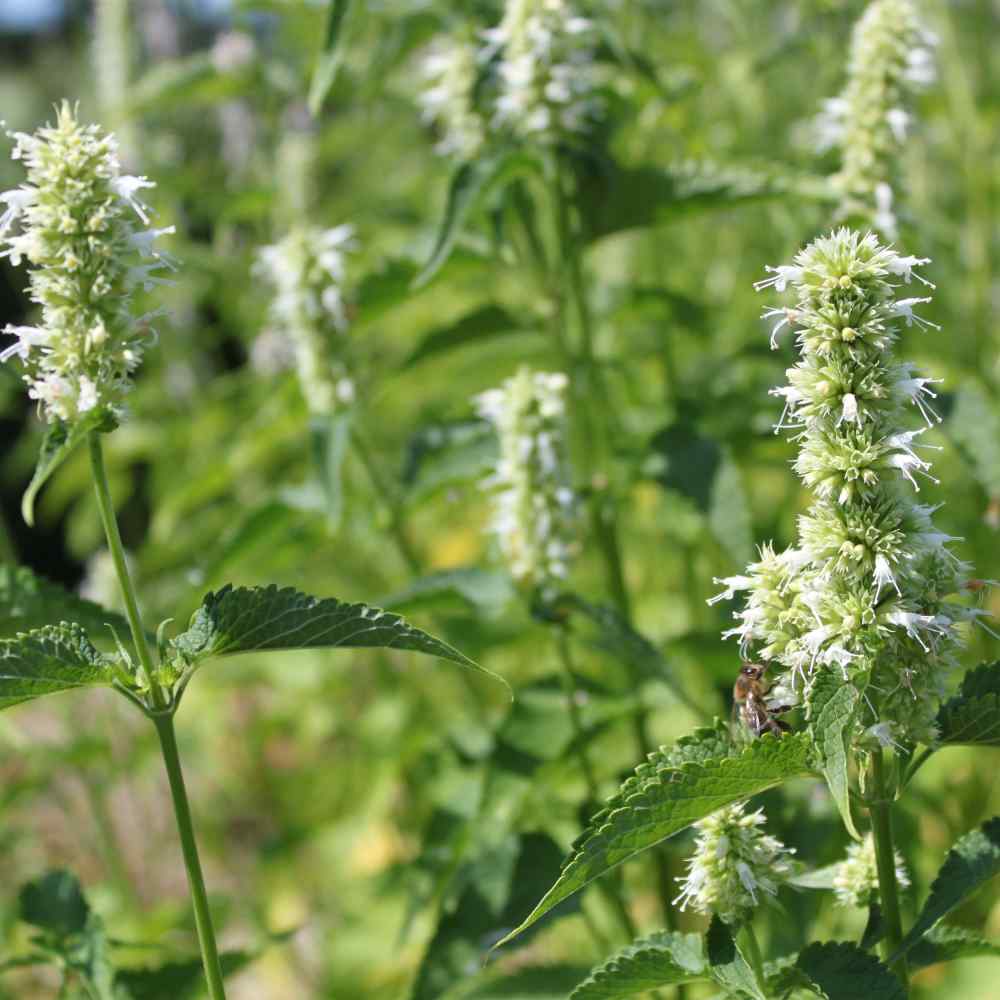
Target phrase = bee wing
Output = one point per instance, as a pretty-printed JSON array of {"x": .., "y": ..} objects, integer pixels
[{"x": 756, "y": 715}]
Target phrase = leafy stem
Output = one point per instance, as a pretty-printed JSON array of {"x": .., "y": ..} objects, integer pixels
[
  {"x": 750, "y": 947},
  {"x": 879, "y": 806},
  {"x": 161, "y": 714}
]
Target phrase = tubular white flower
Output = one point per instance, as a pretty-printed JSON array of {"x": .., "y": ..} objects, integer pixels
[
  {"x": 73, "y": 223},
  {"x": 890, "y": 58},
  {"x": 547, "y": 74},
  {"x": 534, "y": 504},
  {"x": 866, "y": 591},
  {"x": 855, "y": 879},
  {"x": 307, "y": 270},
  {"x": 734, "y": 861},
  {"x": 451, "y": 70}
]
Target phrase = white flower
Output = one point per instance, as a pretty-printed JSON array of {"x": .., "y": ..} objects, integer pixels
[
  {"x": 73, "y": 222},
  {"x": 451, "y": 69}
]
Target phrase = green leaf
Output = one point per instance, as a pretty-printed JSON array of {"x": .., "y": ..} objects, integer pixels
[
  {"x": 469, "y": 186},
  {"x": 726, "y": 964},
  {"x": 58, "y": 444},
  {"x": 973, "y": 715},
  {"x": 546, "y": 982},
  {"x": 974, "y": 425},
  {"x": 479, "y": 324},
  {"x": 686, "y": 461},
  {"x": 945, "y": 944},
  {"x": 631, "y": 197},
  {"x": 28, "y": 601},
  {"x": 830, "y": 708},
  {"x": 183, "y": 980},
  {"x": 842, "y": 971},
  {"x": 330, "y": 438},
  {"x": 970, "y": 864},
  {"x": 449, "y": 454},
  {"x": 659, "y": 802},
  {"x": 55, "y": 903},
  {"x": 47, "y": 660},
  {"x": 729, "y": 512},
  {"x": 663, "y": 959},
  {"x": 328, "y": 63},
  {"x": 470, "y": 587},
  {"x": 250, "y": 619}
]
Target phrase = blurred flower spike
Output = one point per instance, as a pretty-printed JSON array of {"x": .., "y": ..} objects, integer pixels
[
  {"x": 734, "y": 864},
  {"x": 855, "y": 879},
  {"x": 83, "y": 230},
  {"x": 534, "y": 519}
]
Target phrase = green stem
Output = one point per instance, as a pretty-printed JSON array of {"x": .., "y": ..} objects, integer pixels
[
  {"x": 110, "y": 522},
  {"x": 750, "y": 946},
  {"x": 162, "y": 717},
  {"x": 576, "y": 720},
  {"x": 879, "y": 805},
  {"x": 196, "y": 881}
]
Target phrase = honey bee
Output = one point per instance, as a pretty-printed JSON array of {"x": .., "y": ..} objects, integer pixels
[{"x": 750, "y": 699}]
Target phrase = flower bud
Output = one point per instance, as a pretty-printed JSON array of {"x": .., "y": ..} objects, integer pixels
[{"x": 855, "y": 879}]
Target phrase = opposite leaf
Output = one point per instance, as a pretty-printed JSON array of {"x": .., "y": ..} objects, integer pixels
[
  {"x": 251, "y": 619},
  {"x": 664, "y": 959},
  {"x": 973, "y": 715},
  {"x": 47, "y": 660},
  {"x": 831, "y": 708},
  {"x": 842, "y": 971},
  {"x": 661, "y": 802},
  {"x": 972, "y": 862}
]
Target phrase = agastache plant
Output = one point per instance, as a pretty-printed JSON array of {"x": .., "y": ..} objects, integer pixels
[
  {"x": 866, "y": 592},
  {"x": 891, "y": 58},
  {"x": 451, "y": 69},
  {"x": 74, "y": 224}
]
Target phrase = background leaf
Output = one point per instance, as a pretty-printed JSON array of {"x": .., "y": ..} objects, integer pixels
[
  {"x": 973, "y": 715},
  {"x": 325, "y": 73}
]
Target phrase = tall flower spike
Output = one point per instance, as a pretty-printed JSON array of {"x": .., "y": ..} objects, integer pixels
[
  {"x": 891, "y": 57},
  {"x": 735, "y": 863},
  {"x": 451, "y": 70},
  {"x": 855, "y": 879},
  {"x": 865, "y": 592},
  {"x": 547, "y": 73},
  {"x": 307, "y": 270},
  {"x": 534, "y": 504},
  {"x": 74, "y": 222}
]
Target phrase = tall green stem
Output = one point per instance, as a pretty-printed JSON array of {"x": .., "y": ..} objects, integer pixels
[
  {"x": 162, "y": 716},
  {"x": 196, "y": 881},
  {"x": 576, "y": 721},
  {"x": 110, "y": 522},
  {"x": 747, "y": 940},
  {"x": 879, "y": 805}
]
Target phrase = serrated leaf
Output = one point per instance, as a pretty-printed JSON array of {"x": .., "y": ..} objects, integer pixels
[
  {"x": 945, "y": 944},
  {"x": 330, "y": 438},
  {"x": 663, "y": 959},
  {"x": 325, "y": 73},
  {"x": 973, "y": 715},
  {"x": 726, "y": 964},
  {"x": 469, "y": 185},
  {"x": 28, "y": 601},
  {"x": 842, "y": 971},
  {"x": 55, "y": 903},
  {"x": 831, "y": 707},
  {"x": 60, "y": 440},
  {"x": 251, "y": 619},
  {"x": 657, "y": 805},
  {"x": 970, "y": 864},
  {"x": 480, "y": 324},
  {"x": 47, "y": 660}
]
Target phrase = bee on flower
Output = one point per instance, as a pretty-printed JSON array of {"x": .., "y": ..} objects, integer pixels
[{"x": 83, "y": 230}]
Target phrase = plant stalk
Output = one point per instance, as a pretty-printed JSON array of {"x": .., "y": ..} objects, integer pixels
[
  {"x": 879, "y": 806},
  {"x": 196, "y": 881},
  {"x": 748, "y": 942}
]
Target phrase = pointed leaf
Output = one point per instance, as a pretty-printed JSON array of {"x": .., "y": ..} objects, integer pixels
[
  {"x": 47, "y": 660},
  {"x": 973, "y": 715},
  {"x": 58, "y": 444},
  {"x": 970, "y": 864},
  {"x": 28, "y": 601},
  {"x": 945, "y": 944},
  {"x": 251, "y": 619},
  {"x": 328, "y": 63},
  {"x": 842, "y": 971},
  {"x": 182, "y": 980},
  {"x": 831, "y": 707},
  {"x": 659, "y": 804},
  {"x": 479, "y": 324},
  {"x": 662, "y": 959},
  {"x": 469, "y": 185},
  {"x": 726, "y": 964}
]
